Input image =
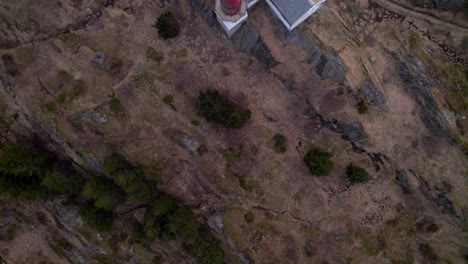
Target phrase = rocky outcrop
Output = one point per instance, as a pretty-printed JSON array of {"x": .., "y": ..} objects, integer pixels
[
  {"x": 372, "y": 95},
  {"x": 418, "y": 87},
  {"x": 402, "y": 180},
  {"x": 326, "y": 63}
]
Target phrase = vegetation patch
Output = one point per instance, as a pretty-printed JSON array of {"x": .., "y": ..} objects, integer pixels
[
  {"x": 362, "y": 107},
  {"x": 115, "y": 105},
  {"x": 357, "y": 174},
  {"x": 167, "y": 26},
  {"x": 97, "y": 218},
  {"x": 280, "y": 143},
  {"x": 105, "y": 193},
  {"x": 319, "y": 162},
  {"x": 168, "y": 99},
  {"x": 51, "y": 107},
  {"x": 153, "y": 55},
  {"x": 249, "y": 217},
  {"x": 216, "y": 109}
]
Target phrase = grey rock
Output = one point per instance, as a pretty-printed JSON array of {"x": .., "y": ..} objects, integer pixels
[
  {"x": 402, "y": 180},
  {"x": 246, "y": 38},
  {"x": 192, "y": 145},
  {"x": 444, "y": 202},
  {"x": 325, "y": 62},
  {"x": 352, "y": 132},
  {"x": 216, "y": 221},
  {"x": 416, "y": 85},
  {"x": 270, "y": 116},
  {"x": 99, "y": 117},
  {"x": 418, "y": 63},
  {"x": 372, "y": 58},
  {"x": 311, "y": 112},
  {"x": 85, "y": 117},
  {"x": 7, "y": 82},
  {"x": 288, "y": 84},
  {"x": 98, "y": 60},
  {"x": 372, "y": 95}
]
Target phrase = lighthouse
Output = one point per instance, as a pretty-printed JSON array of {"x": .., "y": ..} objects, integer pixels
[{"x": 231, "y": 14}]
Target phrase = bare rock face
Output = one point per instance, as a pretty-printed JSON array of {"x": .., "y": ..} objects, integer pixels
[
  {"x": 402, "y": 180},
  {"x": 372, "y": 95}
]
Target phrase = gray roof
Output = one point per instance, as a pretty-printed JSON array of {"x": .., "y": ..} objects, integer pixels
[{"x": 292, "y": 10}]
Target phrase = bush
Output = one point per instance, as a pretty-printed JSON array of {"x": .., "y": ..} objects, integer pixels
[
  {"x": 114, "y": 163},
  {"x": 99, "y": 219},
  {"x": 21, "y": 171},
  {"x": 357, "y": 174},
  {"x": 115, "y": 105},
  {"x": 249, "y": 217},
  {"x": 319, "y": 162},
  {"x": 167, "y": 26},
  {"x": 164, "y": 205},
  {"x": 217, "y": 110},
  {"x": 362, "y": 107},
  {"x": 206, "y": 249},
  {"x": 153, "y": 55},
  {"x": 131, "y": 181},
  {"x": 64, "y": 184},
  {"x": 280, "y": 143},
  {"x": 105, "y": 193},
  {"x": 19, "y": 161},
  {"x": 168, "y": 99}
]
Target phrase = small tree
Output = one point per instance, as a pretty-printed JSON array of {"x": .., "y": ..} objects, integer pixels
[
  {"x": 131, "y": 181},
  {"x": 105, "y": 193},
  {"x": 319, "y": 162},
  {"x": 61, "y": 183},
  {"x": 97, "y": 218},
  {"x": 218, "y": 110},
  {"x": 167, "y": 26},
  {"x": 113, "y": 163},
  {"x": 280, "y": 143},
  {"x": 357, "y": 174}
]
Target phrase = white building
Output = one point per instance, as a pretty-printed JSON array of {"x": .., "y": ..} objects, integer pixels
[
  {"x": 294, "y": 12},
  {"x": 232, "y": 13}
]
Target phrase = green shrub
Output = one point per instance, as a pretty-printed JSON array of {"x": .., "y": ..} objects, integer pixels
[
  {"x": 362, "y": 107},
  {"x": 168, "y": 99},
  {"x": 115, "y": 105},
  {"x": 167, "y": 26},
  {"x": 138, "y": 233},
  {"x": 21, "y": 171},
  {"x": 19, "y": 161},
  {"x": 51, "y": 107},
  {"x": 428, "y": 252},
  {"x": 280, "y": 143},
  {"x": 114, "y": 163},
  {"x": 319, "y": 162},
  {"x": 195, "y": 122},
  {"x": 249, "y": 217},
  {"x": 99, "y": 219},
  {"x": 206, "y": 249},
  {"x": 153, "y": 55},
  {"x": 164, "y": 205},
  {"x": 65, "y": 184},
  {"x": 216, "y": 109},
  {"x": 105, "y": 193},
  {"x": 131, "y": 181},
  {"x": 357, "y": 174}
]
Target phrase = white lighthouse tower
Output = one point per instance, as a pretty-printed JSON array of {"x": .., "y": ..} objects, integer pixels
[{"x": 231, "y": 14}]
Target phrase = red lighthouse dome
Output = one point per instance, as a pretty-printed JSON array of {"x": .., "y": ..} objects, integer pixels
[{"x": 231, "y": 7}]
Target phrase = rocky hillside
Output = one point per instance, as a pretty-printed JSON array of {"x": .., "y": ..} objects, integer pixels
[{"x": 132, "y": 136}]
